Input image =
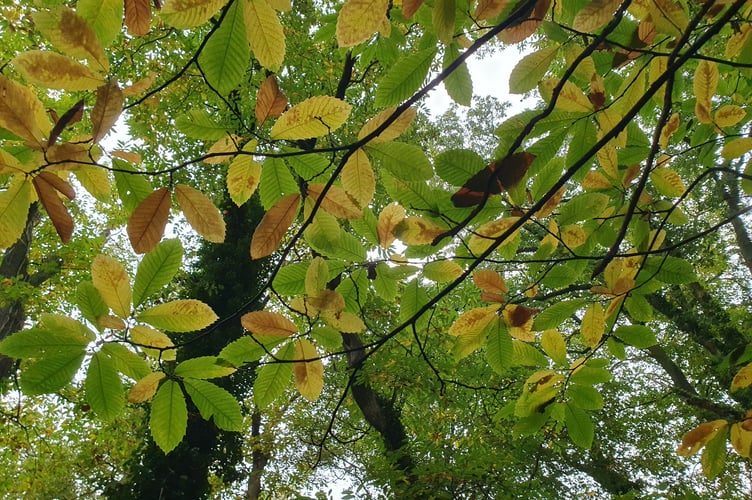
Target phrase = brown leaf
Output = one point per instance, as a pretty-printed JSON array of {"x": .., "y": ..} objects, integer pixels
[
  {"x": 274, "y": 225},
  {"x": 270, "y": 102},
  {"x": 410, "y": 7},
  {"x": 488, "y": 9},
  {"x": 495, "y": 178},
  {"x": 47, "y": 186},
  {"x": 138, "y": 16},
  {"x": 147, "y": 224},
  {"x": 519, "y": 32},
  {"x": 336, "y": 201},
  {"x": 106, "y": 110},
  {"x": 70, "y": 117}
]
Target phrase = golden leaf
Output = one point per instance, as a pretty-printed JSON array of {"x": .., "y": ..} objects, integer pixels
[
  {"x": 552, "y": 203},
  {"x": 672, "y": 125},
  {"x": 159, "y": 342},
  {"x": 324, "y": 301},
  {"x": 138, "y": 16},
  {"x": 148, "y": 221},
  {"x": 140, "y": 86},
  {"x": 267, "y": 323},
  {"x": 128, "y": 156},
  {"x": 14, "y": 208},
  {"x": 55, "y": 71},
  {"x": 106, "y": 110},
  {"x": 309, "y": 375},
  {"x": 595, "y": 15},
  {"x": 737, "y": 41},
  {"x": 488, "y": 9},
  {"x": 47, "y": 186},
  {"x": 145, "y": 388},
  {"x": 486, "y": 234},
  {"x": 111, "y": 322},
  {"x": 265, "y": 33},
  {"x": 317, "y": 276},
  {"x": 270, "y": 101},
  {"x": 96, "y": 181},
  {"x": 185, "y": 14},
  {"x": 393, "y": 130},
  {"x": 314, "y": 117},
  {"x": 705, "y": 81},
  {"x": 415, "y": 230},
  {"x": 201, "y": 213},
  {"x": 570, "y": 98},
  {"x": 736, "y": 147},
  {"x": 224, "y": 149},
  {"x": 741, "y": 436},
  {"x": 389, "y": 218},
  {"x": 490, "y": 281},
  {"x": 358, "y": 179},
  {"x": 22, "y": 113},
  {"x": 742, "y": 379},
  {"x": 596, "y": 180},
  {"x": 668, "y": 16},
  {"x": 593, "y": 325},
  {"x": 520, "y": 321},
  {"x": 667, "y": 182},
  {"x": 112, "y": 283},
  {"x": 70, "y": 33},
  {"x": 729, "y": 115},
  {"x": 442, "y": 271},
  {"x": 573, "y": 236},
  {"x": 274, "y": 225},
  {"x": 243, "y": 177},
  {"x": 360, "y": 19},
  {"x": 698, "y": 437},
  {"x": 344, "y": 321},
  {"x": 470, "y": 329},
  {"x": 335, "y": 201}
]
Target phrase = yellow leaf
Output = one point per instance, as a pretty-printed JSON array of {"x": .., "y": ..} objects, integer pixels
[
  {"x": 490, "y": 281},
  {"x": 729, "y": 115},
  {"x": 741, "y": 436},
  {"x": 443, "y": 15},
  {"x": 324, "y": 301},
  {"x": 672, "y": 125},
  {"x": 698, "y": 437},
  {"x": 389, "y": 218},
  {"x": 737, "y": 41},
  {"x": 106, "y": 110},
  {"x": 595, "y": 15},
  {"x": 201, "y": 213},
  {"x": 596, "y": 180},
  {"x": 138, "y": 16},
  {"x": 705, "y": 81},
  {"x": 273, "y": 226},
  {"x": 742, "y": 379},
  {"x": 110, "y": 321},
  {"x": 145, "y": 388},
  {"x": 243, "y": 177},
  {"x": 520, "y": 321},
  {"x": 335, "y": 201},
  {"x": 552, "y": 203},
  {"x": 593, "y": 325},
  {"x": 70, "y": 33},
  {"x": 668, "y": 16},
  {"x": 317, "y": 276},
  {"x": 344, "y": 321},
  {"x": 736, "y": 147},
  {"x": 442, "y": 271},
  {"x": 555, "y": 346},
  {"x": 359, "y": 19},
  {"x": 183, "y": 315},
  {"x": 56, "y": 71},
  {"x": 267, "y": 323},
  {"x": 270, "y": 101},
  {"x": 573, "y": 236},
  {"x": 14, "y": 208},
  {"x": 128, "y": 156},
  {"x": 264, "y": 33},
  {"x": 96, "y": 181},
  {"x": 224, "y": 149},
  {"x": 414, "y": 230},
  {"x": 189, "y": 13},
  {"x": 314, "y": 117},
  {"x": 153, "y": 342},
  {"x": 22, "y": 113},
  {"x": 393, "y": 130},
  {"x": 112, "y": 283},
  {"x": 281, "y": 5},
  {"x": 570, "y": 98},
  {"x": 309, "y": 375},
  {"x": 358, "y": 179},
  {"x": 147, "y": 223},
  {"x": 486, "y": 234},
  {"x": 667, "y": 182},
  {"x": 488, "y": 9},
  {"x": 470, "y": 327},
  {"x": 140, "y": 86}
]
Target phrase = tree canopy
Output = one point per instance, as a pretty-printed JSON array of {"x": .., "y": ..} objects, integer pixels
[{"x": 237, "y": 242}]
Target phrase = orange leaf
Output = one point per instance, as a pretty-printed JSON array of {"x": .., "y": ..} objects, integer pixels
[
  {"x": 268, "y": 323},
  {"x": 698, "y": 437},
  {"x": 335, "y": 201},
  {"x": 201, "y": 213},
  {"x": 47, "y": 186},
  {"x": 138, "y": 16},
  {"x": 106, "y": 110},
  {"x": 147, "y": 224},
  {"x": 274, "y": 225},
  {"x": 270, "y": 101},
  {"x": 490, "y": 281}
]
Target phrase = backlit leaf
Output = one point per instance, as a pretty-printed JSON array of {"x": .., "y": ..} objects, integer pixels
[
  {"x": 216, "y": 403},
  {"x": 393, "y": 130},
  {"x": 488, "y": 9},
  {"x": 14, "y": 208},
  {"x": 47, "y": 187},
  {"x": 531, "y": 69},
  {"x": 314, "y": 117},
  {"x": 267, "y": 323},
  {"x": 112, "y": 283},
  {"x": 639, "y": 336},
  {"x": 126, "y": 361},
  {"x": 204, "y": 367},
  {"x": 736, "y": 148},
  {"x": 201, "y": 213},
  {"x": 157, "y": 269},
  {"x": 270, "y": 100},
  {"x": 499, "y": 347},
  {"x": 70, "y": 33},
  {"x": 389, "y": 218},
  {"x": 459, "y": 83},
  {"x": 359, "y": 19},
  {"x": 593, "y": 325},
  {"x": 742, "y": 379},
  {"x": 243, "y": 177},
  {"x": 595, "y": 15},
  {"x": 225, "y": 56},
  {"x": 55, "y": 71},
  {"x": 184, "y": 315},
  {"x": 698, "y": 437},
  {"x": 276, "y": 182},
  {"x": 579, "y": 426},
  {"x": 729, "y": 115},
  {"x": 104, "y": 16},
  {"x": 169, "y": 416},
  {"x": 145, "y": 388},
  {"x": 272, "y": 379},
  {"x": 148, "y": 221},
  {"x": 21, "y": 112},
  {"x": 104, "y": 390},
  {"x": 273, "y": 226},
  {"x": 154, "y": 343},
  {"x": 490, "y": 281},
  {"x": 265, "y": 33},
  {"x": 713, "y": 457},
  {"x": 185, "y": 14},
  {"x": 106, "y": 110},
  {"x": 404, "y": 78},
  {"x": 316, "y": 276},
  {"x": 405, "y": 161},
  {"x": 308, "y": 375},
  {"x": 469, "y": 329},
  {"x": 414, "y": 230},
  {"x": 358, "y": 178},
  {"x": 705, "y": 81},
  {"x": 335, "y": 201},
  {"x": 668, "y": 182},
  {"x": 442, "y": 271},
  {"x": 138, "y": 16},
  {"x": 553, "y": 344},
  {"x": 51, "y": 373},
  {"x": 443, "y": 13}
]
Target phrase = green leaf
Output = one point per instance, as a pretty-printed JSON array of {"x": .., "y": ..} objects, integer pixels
[
  {"x": 126, "y": 361},
  {"x": 89, "y": 302},
  {"x": 51, "y": 373},
  {"x": 585, "y": 396},
  {"x": 214, "y": 402},
  {"x": 104, "y": 16},
  {"x": 457, "y": 166},
  {"x": 290, "y": 280},
  {"x": 555, "y": 315},
  {"x": 349, "y": 248},
  {"x": 157, "y": 269},
  {"x": 531, "y": 69},
  {"x": 198, "y": 124},
  {"x": 186, "y": 315},
  {"x": 204, "y": 367},
  {"x": 639, "y": 308},
  {"x": 416, "y": 195},
  {"x": 308, "y": 166},
  {"x": 276, "y": 182},
  {"x": 524, "y": 354},
  {"x": 579, "y": 426},
  {"x": 272, "y": 379},
  {"x": 132, "y": 188},
  {"x": 61, "y": 323},
  {"x": 104, "y": 390},
  {"x": 249, "y": 350},
  {"x": 225, "y": 56},
  {"x": 404, "y": 78},
  {"x": 499, "y": 350},
  {"x": 327, "y": 337},
  {"x": 639, "y": 336},
  {"x": 404, "y": 161},
  {"x": 41, "y": 343},
  {"x": 367, "y": 227},
  {"x": 590, "y": 375},
  {"x": 385, "y": 284},
  {"x": 459, "y": 84},
  {"x": 581, "y": 207},
  {"x": 413, "y": 298},
  {"x": 672, "y": 270},
  {"x": 169, "y": 416},
  {"x": 714, "y": 454}
]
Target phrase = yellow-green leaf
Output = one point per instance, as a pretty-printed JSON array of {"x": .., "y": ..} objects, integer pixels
[
  {"x": 531, "y": 69},
  {"x": 145, "y": 388},
  {"x": 729, "y": 115},
  {"x": 314, "y": 117},
  {"x": 14, "y": 207},
  {"x": 359, "y": 19},
  {"x": 56, "y": 71},
  {"x": 185, "y": 14},
  {"x": 695, "y": 439},
  {"x": 593, "y": 325},
  {"x": 72, "y": 34},
  {"x": 667, "y": 182},
  {"x": 309, "y": 375},
  {"x": 705, "y": 81},
  {"x": 22, "y": 113},
  {"x": 335, "y": 201},
  {"x": 186, "y": 315},
  {"x": 358, "y": 178},
  {"x": 112, "y": 283},
  {"x": 265, "y": 34},
  {"x": 470, "y": 327},
  {"x": 442, "y": 271},
  {"x": 317, "y": 276},
  {"x": 154, "y": 343},
  {"x": 595, "y": 15},
  {"x": 243, "y": 177},
  {"x": 393, "y": 130},
  {"x": 736, "y": 147},
  {"x": 554, "y": 345}
]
